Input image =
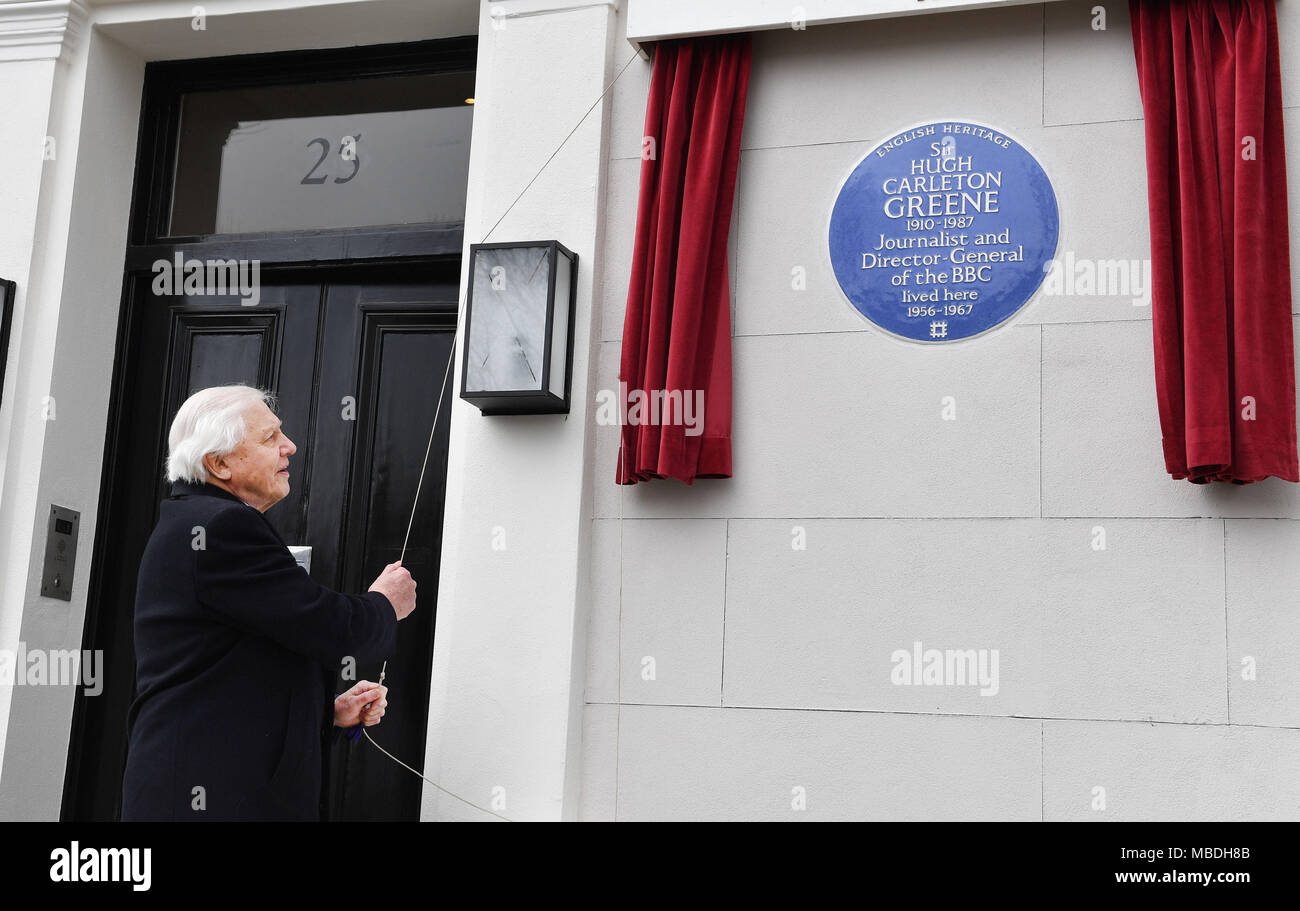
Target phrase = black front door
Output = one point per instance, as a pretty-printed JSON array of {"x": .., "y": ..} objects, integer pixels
[{"x": 355, "y": 358}]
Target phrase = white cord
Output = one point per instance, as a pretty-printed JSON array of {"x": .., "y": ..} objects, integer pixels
[
  {"x": 442, "y": 390},
  {"x": 430, "y": 780}
]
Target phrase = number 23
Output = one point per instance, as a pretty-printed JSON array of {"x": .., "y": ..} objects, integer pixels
[{"x": 347, "y": 151}]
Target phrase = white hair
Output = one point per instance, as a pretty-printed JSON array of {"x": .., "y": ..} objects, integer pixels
[{"x": 211, "y": 421}]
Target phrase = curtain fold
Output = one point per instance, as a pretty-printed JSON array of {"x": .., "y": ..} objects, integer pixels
[
  {"x": 1216, "y": 184},
  {"x": 675, "y": 370}
]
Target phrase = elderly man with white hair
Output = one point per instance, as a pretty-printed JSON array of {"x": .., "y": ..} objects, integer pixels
[{"x": 236, "y": 646}]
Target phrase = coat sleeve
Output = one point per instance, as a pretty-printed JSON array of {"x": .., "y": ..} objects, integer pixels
[{"x": 247, "y": 576}]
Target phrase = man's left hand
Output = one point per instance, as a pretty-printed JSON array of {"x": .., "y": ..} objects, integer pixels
[{"x": 363, "y": 704}]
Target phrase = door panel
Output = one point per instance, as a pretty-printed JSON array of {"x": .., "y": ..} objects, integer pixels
[
  {"x": 214, "y": 342},
  {"x": 405, "y": 343}
]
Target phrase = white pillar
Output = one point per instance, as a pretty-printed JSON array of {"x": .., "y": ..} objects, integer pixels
[
  {"x": 505, "y": 719},
  {"x": 38, "y": 57}
]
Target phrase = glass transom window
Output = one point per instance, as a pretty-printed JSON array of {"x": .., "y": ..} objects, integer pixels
[{"x": 390, "y": 150}]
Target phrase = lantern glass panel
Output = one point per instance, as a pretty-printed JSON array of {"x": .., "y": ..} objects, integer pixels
[{"x": 507, "y": 333}]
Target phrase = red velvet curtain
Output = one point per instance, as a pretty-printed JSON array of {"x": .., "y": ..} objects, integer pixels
[
  {"x": 1216, "y": 183},
  {"x": 676, "y": 361}
]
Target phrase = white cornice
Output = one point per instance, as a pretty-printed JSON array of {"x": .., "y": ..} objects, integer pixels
[
  {"x": 656, "y": 20},
  {"x": 40, "y": 29},
  {"x": 516, "y": 9}
]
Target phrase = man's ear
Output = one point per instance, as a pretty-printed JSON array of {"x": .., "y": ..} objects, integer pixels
[{"x": 217, "y": 467}]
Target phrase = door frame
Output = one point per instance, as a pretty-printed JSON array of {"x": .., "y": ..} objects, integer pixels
[{"x": 383, "y": 250}]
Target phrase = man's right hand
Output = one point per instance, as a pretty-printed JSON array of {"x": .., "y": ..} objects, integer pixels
[{"x": 396, "y": 584}]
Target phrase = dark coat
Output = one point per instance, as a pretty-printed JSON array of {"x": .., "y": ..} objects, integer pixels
[{"x": 237, "y": 650}]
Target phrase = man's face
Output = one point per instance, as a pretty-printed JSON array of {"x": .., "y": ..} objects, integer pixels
[{"x": 259, "y": 466}]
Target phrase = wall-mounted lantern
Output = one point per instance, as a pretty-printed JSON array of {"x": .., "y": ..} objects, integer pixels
[{"x": 519, "y": 328}]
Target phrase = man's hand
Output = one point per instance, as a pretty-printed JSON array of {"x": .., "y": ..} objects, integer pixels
[
  {"x": 364, "y": 703},
  {"x": 396, "y": 584}
]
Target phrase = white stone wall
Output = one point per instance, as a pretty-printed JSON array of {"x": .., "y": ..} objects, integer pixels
[{"x": 1119, "y": 669}]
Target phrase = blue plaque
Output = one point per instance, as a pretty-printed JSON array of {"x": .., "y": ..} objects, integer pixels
[{"x": 942, "y": 231}]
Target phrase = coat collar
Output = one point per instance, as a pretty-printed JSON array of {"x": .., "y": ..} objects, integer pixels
[{"x": 188, "y": 489}]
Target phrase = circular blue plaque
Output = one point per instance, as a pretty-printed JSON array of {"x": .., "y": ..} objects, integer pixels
[{"x": 942, "y": 231}]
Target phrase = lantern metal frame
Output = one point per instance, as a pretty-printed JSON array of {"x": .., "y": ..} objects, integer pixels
[
  {"x": 8, "y": 291},
  {"x": 526, "y": 401}
]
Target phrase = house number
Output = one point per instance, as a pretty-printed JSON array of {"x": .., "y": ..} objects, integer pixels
[{"x": 347, "y": 152}]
